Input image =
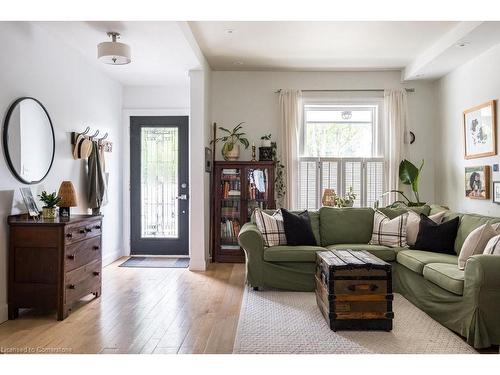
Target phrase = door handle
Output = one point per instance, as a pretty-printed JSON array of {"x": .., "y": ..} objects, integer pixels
[{"x": 182, "y": 197}]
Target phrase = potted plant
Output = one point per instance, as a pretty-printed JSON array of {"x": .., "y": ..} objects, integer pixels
[
  {"x": 409, "y": 174},
  {"x": 231, "y": 148},
  {"x": 266, "y": 140},
  {"x": 50, "y": 202}
]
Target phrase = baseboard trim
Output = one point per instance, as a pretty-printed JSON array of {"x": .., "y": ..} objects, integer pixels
[
  {"x": 197, "y": 265},
  {"x": 4, "y": 313},
  {"x": 110, "y": 258}
]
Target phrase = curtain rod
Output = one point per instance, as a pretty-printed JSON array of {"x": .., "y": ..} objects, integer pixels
[{"x": 348, "y": 90}]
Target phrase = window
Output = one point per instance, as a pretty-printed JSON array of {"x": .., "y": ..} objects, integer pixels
[{"x": 341, "y": 149}]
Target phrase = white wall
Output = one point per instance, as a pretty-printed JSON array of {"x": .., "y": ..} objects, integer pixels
[
  {"x": 250, "y": 97},
  {"x": 471, "y": 84},
  {"x": 199, "y": 138},
  {"x": 156, "y": 97},
  {"x": 34, "y": 63}
]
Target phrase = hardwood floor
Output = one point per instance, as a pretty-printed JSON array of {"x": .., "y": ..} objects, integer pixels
[{"x": 142, "y": 310}]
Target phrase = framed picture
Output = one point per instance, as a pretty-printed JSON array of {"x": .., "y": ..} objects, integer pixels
[
  {"x": 477, "y": 182},
  {"x": 208, "y": 159},
  {"x": 496, "y": 192},
  {"x": 29, "y": 201},
  {"x": 480, "y": 131}
]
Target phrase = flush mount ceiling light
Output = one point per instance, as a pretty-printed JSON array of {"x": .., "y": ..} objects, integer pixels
[
  {"x": 114, "y": 53},
  {"x": 462, "y": 44}
]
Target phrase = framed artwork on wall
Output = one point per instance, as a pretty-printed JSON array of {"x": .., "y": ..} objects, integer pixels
[
  {"x": 480, "y": 131},
  {"x": 477, "y": 182},
  {"x": 496, "y": 192}
]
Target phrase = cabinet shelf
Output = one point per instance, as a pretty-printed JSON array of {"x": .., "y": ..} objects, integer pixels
[{"x": 231, "y": 212}]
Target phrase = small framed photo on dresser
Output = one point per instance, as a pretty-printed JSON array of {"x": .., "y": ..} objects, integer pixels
[{"x": 496, "y": 192}]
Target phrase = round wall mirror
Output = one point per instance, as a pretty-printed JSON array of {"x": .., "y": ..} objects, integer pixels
[{"x": 28, "y": 140}]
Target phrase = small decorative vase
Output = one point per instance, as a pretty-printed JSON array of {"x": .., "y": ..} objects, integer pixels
[
  {"x": 48, "y": 212},
  {"x": 266, "y": 143},
  {"x": 234, "y": 154}
]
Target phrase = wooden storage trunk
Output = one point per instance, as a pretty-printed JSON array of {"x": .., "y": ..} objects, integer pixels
[{"x": 354, "y": 290}]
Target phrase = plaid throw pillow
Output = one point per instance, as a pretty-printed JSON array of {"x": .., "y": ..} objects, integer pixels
[
  {"x": 389, "y": 232},
  {"x": 271, "y": 227}
]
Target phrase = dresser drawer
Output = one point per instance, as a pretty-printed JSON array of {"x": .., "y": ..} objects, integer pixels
[
  {"x": 82, "y": 281},
  {"x": 88, "y": 229},
  {"x": 82, "y": 252}
]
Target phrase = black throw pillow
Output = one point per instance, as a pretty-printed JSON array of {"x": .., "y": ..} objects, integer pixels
[
  {"x": 439, "y": 238},
  {"x": 298, "y": 230}
]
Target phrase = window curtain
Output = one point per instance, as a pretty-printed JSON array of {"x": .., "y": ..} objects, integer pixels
[
  {"x": 290, "y": 103},
  {"x": 396, "y": 119}
]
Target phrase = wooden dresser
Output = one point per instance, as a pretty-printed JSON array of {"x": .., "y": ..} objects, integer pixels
[{"x": 53, "y": 263}]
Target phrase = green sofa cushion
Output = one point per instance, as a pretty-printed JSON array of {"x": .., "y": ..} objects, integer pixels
[
  {"x": 447, "y": 276},
  {"x": 314, "y": 216},
  {"x": 468, "y": 223},
  {"x": 392, "y": 212},
  {"x": 291, "y": 253},
  {"x": 383, "y": 252},
  {"x": 416, "y": 260},
  {"x": 345, "y": 225}
]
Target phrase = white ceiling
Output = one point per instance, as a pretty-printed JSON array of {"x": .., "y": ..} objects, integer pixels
[
  {"x": 315, "y": 45},
  {"x": 420, "y": 49},
  {"x": 161, "y": 54}
]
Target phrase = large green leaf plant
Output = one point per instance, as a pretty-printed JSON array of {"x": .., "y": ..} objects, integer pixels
[{"x": 409, "y": 174}]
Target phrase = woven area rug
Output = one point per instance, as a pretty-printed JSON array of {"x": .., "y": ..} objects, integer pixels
[
  {"x": 290, "y": 322},
  {"x": 155, "y": 262}
]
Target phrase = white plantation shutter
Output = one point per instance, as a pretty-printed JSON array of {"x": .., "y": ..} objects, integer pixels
[
  {"x": 374, "y": 181},
  {"x": 365, "y": 176},
  {"x": 308, "y": 189},
  {"x": 353, "y": 178}
]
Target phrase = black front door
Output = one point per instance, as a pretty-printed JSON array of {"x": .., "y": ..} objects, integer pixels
[{"x": 159, "y": 185}]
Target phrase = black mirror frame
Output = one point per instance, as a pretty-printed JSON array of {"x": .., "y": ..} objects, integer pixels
[{"x": 6, "y": 146}]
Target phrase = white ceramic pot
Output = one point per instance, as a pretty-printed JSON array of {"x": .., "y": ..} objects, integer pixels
[
  {"x": 234, "y": 154},
  {"x": 266, "y": 143}
]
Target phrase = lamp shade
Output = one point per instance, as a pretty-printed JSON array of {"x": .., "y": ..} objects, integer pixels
[{"x": 67, "y": 194}]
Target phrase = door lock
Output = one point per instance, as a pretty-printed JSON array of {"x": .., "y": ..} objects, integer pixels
[{"x": 182, "y": 197}]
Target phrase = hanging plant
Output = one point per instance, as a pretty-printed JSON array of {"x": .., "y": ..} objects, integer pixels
[{"x": 279, "y": 179}]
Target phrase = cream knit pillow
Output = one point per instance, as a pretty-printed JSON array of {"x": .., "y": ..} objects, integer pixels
[
  {"x": 476, "y": 241},
  {"x": 493, "y": 246},
  {"x": 413, "y": 223}
]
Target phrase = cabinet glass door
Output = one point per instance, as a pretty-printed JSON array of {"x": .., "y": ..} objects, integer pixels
[
  {"x": 258, "y": 190},
  {"x": 230, "y": 208}
]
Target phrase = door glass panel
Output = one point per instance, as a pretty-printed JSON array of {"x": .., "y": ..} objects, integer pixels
[
  {"x": 230, "y": 208},
  {"x": 258, "y": 189},
  {"x": 159, "y": 182}
]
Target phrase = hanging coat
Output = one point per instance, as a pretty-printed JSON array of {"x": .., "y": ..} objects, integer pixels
[{"x": 96, "y": 178}]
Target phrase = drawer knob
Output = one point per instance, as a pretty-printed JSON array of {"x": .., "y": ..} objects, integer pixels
[
  {"x": 97, "y": 227},
  {"x": 96, "y": 273},
  {"x": 71, "y": 256},
  {"x": 82, "y": 231},
  {"x": 72, "y": 286},
  {"x": 95, "y": 247},
  {"x": 88, "y": 230},
  {"x": 69, "y": 235}
]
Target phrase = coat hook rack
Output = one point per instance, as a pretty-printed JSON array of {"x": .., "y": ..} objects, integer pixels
[{"x": 107, "y": 146}]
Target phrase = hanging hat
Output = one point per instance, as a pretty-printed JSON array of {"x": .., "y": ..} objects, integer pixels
[{"x": 83, "y": 147}]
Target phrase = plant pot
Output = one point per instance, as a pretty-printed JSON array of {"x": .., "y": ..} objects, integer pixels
[
  {"x": 48, "y": 212},
  {"x": 349, "y": 203},
  {"x": 234, "y": 154},
  {"x": 266, "y": 143}
]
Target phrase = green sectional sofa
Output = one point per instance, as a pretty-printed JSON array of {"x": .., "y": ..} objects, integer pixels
[{"x": 467, "y": 302}]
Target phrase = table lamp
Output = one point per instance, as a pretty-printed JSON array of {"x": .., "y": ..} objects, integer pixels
[{"x": 67, "y": 194}]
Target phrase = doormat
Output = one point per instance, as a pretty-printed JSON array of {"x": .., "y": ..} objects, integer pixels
[{"x": 156, "y": 262}]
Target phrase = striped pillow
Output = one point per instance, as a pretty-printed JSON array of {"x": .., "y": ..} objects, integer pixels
[
  {"x": 389, "y": 232},
  {"x": 271, "y": 227}
]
